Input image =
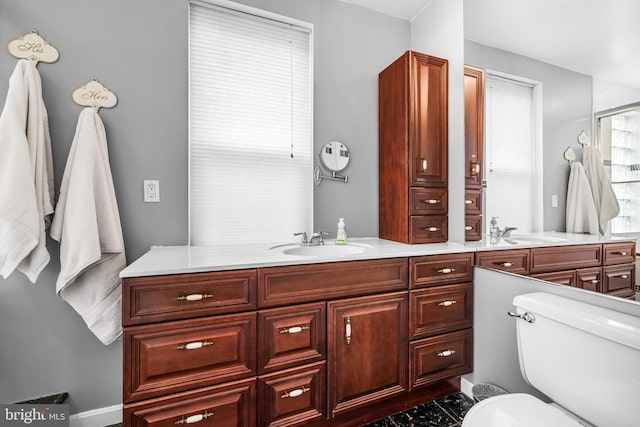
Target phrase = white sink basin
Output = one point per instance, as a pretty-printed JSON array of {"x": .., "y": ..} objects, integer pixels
[
  {"x": 320, "y": 251},
  {"x": 524, "y": 238}
]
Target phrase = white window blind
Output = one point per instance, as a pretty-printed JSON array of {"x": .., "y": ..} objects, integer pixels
[
  {"x": 625, "y": 170},
  {"x": 250, "y": 130},
  {"x": 509, "y": 153}
]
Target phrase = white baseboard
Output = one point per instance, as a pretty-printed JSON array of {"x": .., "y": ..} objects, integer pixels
[
  {"x": 466, "y": 386},
  {"x": 100, "y": 417}
]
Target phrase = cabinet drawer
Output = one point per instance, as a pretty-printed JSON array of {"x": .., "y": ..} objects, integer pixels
[
  {"x": 292, "y": 397},
  {"x": 514, "y": 261},
  {"x": 183, "y": 296},
  {"x": 428, "y": 229},
  {"x": 291, "y": 336},
  {"x": 619, "y": 280},
  {"x": 230, "y": 405},
  {"x": 473, "y": 228},
  {"x": 558, "y": 258},
  {"x": 433, "y": 270},
  {"x": 315, "y": 282},
  {"x": 428, "y": 201},
  {"x": 440, "y": 358},
  {"x": 171, "y": 357},
  {"x": 619, "y": 253},
  {"x": 589, "y": 279},
  {"x": 440, "y": 309},
  {"x": 472, "y": 202},
  {"x": 567, "y": 278}
]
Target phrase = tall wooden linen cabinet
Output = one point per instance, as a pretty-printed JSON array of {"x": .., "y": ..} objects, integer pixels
[{"x": 413, "y": 137}]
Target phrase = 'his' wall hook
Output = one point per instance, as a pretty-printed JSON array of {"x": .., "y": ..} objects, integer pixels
[{"x": 32, "y": 46}]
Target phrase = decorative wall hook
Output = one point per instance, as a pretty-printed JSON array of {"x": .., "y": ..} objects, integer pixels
[
  {"x": 94, "y": 94},
  {"x": 583, "y": 138},
  {"x": 32, "y": 46},
  {"x": 569, "y": 155}
]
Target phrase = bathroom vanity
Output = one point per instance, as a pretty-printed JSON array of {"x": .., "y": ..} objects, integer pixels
[{"x": 249, "y": 336}]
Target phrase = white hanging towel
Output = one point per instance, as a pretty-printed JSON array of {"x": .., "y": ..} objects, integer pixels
[
  {"x": 604, "y": 197},
  {"x": 581, "y": 214},
  {"x": 26, "y": 175},
  {"x": 87, "y": 225}
]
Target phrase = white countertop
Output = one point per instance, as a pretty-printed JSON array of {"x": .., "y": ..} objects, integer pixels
[{"x": 162, "y": 260}]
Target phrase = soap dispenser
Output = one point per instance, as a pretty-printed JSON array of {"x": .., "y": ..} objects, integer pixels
[
  {"x": 493, "y": 229},
  {"x": 341, "y": 235}
]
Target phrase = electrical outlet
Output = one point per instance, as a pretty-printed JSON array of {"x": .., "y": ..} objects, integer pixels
[{"x": 151, "y": 190}]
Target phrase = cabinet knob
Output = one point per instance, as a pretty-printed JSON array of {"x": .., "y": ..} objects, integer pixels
[
  {"x": 446, "y": 353},
  {"x": 294, "y": 329},
  {"x": 468, "y": 228},
  {"x": 423, "y": 163},
  {"x": 624, "y": 276},
  {"x": 347, "y": 329},
  {"x": 295, "y": 393},
  {"x": 431, "y": 229},
  {"x": 468, "y": 202},
  {"x": 194, "y": 418},
  {"x": 194, "y": 345},
  {"x": 624, "y": 253},
  {"x": 447, "y": 303},
  {"x": 431, "y": 201},
  {"x": 595, "y": 281},
  {"x": 446, "y": 270},
  {"x": 194, "y": 297},
  {"x": 475, "y": 168},
  {"x": 506, "y": 264}
]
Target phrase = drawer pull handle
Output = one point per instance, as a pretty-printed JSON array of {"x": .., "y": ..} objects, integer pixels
[
  {"x": 431, "y": 201},
  {"x": 194, "y": 418},
  {"x": 468, "y": 202},
  {"x": 506, "y": 264},
  {"x": 595, "y": 281},
  {"x": 432, "y": 229},
  {"x": 194, "y": 345},
  {"x": 424, "y": 164},
  {"x": 194, "y": 297},
  {"x": 294, "y": 329},
  {"x": 475, "y": 168},
  {"x": 347, "y": 329},
  {"x": 624, "y": 253},
  {"x": 295, "y": 393},
  {"x": 446, "y": 353},
  {"x": 446, "y": 270},
  {"x": 468, "y": 228},
  {"x": 447, "y": 303},
  {"x": 624, "y": 276}
]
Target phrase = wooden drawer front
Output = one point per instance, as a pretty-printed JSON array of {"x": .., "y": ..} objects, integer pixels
[
  {"x": 433, "y": 270},
  {"x": 514, "y": 261},
  {"x": 230, "y": 405},
  {"x": 440, "y": 309},
  {"x": 567, "y": 278},
  {"x": 167, "y": 358},
  {"x": 315, "y": 282},
  {"x": 473, "y": 228},
  {"x": 558, "y": 258},
  {"x": 440, "y": 358},
  {"x": 589, "y": 279},
  {"x": 619, "y": 253},
  {"x": 428, "y": 229},
  {"x": 184, "y": 296},
  {"x": 619, "y": 280},
  {"x": 472, "y": 202},
  {"x": 293, "y": 397},
  {"x": 291, "y": 336},
  {"x": 428, "y": 201}
]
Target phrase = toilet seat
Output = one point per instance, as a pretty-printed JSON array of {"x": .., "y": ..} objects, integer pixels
[{"x": 517, "y": 410}]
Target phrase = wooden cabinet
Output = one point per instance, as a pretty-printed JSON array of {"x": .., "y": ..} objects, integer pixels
[
  {"x": 514, "y": 261},
  {"x": 413, "y": 132},
  {"x": 474, "y": 142},
  {"x": 367, "y": 350}
]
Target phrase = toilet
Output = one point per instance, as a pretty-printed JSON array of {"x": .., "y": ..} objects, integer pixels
[{"x": 585, "y": 358}]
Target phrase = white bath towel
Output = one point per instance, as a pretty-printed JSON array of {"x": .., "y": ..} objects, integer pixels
[
  {"x": 604, "y": 197},
  {"x": 87, "y": 225},
  {"x": 581, "y": 214},
  {"x": 26, "y": 175}
]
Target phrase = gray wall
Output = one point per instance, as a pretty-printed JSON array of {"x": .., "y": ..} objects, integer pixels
[
  {"x": 567, "y": 110},
  {"x": 138, "y": 48}
]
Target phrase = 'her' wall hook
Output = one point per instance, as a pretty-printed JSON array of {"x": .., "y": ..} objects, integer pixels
[
  {"x": 94, "y": 94},
  {"x": 32, "y": 46}
]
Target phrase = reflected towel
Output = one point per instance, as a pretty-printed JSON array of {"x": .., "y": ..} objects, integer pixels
[
  {"x": 87, "y": 225},
  {"x": 604, "y": 198},
  {"x": 581, "y": 214},
  {"x": 26, "y": 175}
]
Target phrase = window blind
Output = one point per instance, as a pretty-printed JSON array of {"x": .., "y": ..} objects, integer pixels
[
  {"x": 509, "y": 153},
  {"x": 250, "y": 127}
]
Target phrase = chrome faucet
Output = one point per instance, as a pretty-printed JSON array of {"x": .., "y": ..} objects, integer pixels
[
  {"x": 318, "y": 236},
  {"x": 496, "y": 232},
  {"x": 303, "y": 241},
  {"x": 507, "y": 231}
]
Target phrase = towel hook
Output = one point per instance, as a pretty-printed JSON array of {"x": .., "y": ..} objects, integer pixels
[
  {"x": 33, "y": 47},
  {"x": 94, "y": 94},
  {"x": 583, "y": 138},
  {"x": 569, "y": 155}
]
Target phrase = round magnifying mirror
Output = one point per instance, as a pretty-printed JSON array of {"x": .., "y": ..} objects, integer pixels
[{"x": 334, "y": 156}]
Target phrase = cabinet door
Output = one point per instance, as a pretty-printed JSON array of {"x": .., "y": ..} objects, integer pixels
[
  {"x": 514, "y": 261},
  {"x": 589, "y": 279},
  {"x": 473, "y": 125},
  {"x": 367, "y": 350},
  {"x": 619, "y": 280},
  {"x": 567, "y": 278},
  {"x": 429, "y": 116}
]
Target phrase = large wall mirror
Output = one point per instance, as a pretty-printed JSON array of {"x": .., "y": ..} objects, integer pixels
[{"x": 618, "y": 137}]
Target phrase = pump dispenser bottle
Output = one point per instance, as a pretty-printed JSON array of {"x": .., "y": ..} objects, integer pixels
[{"x": 341, "y": 235}]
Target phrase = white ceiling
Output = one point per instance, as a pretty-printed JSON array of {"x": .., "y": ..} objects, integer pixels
[{"x": 596, "y": 37}]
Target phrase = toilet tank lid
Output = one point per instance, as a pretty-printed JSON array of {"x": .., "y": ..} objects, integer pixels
[{"x": 619, "y": 327}]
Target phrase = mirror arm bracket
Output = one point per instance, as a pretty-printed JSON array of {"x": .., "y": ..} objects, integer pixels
[{"x": 318, "y": 177}]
